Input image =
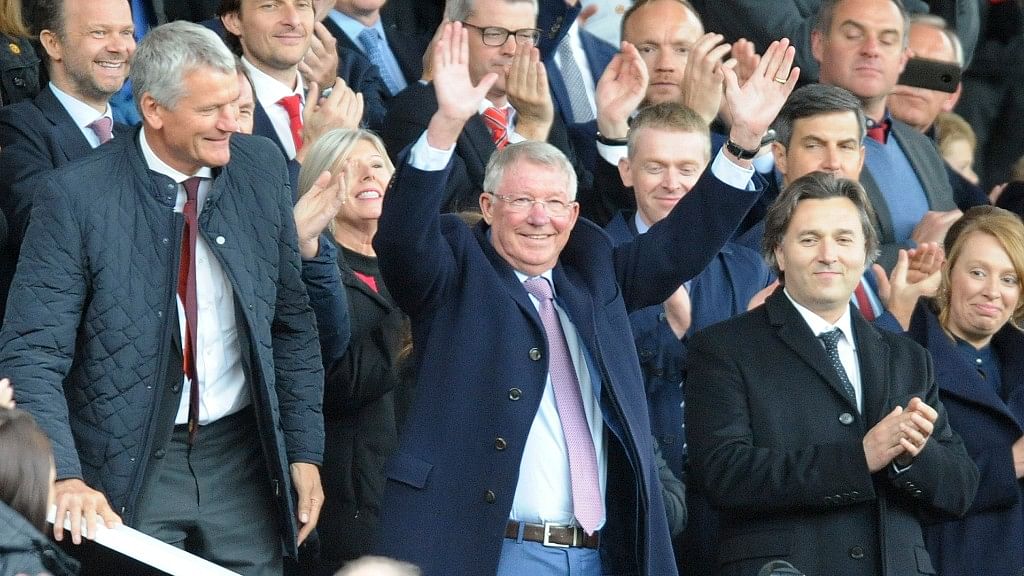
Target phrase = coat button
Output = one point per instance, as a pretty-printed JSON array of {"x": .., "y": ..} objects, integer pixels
[
  {"x": 175, "y": 388},
  {"x": 535, "y": 354},
  {"x": 220, "y": 240},
  {"x": 846, "y": 418},
  {"x": 159, "y": 454},
  {"x": 856, "y": 552},
  {"x": 489, "y": 497},
  {"x": 500, "y": 443},
  {"x": 514, "y": 394}
]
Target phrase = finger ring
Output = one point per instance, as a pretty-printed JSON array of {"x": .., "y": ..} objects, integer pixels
[{"x": 781, "y": 80}]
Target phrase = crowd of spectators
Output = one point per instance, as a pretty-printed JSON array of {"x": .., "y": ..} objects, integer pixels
[{"x": 376, "y": 287}]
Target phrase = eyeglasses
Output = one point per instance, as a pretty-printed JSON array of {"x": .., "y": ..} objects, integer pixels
[
  {"x": 497, "y": 36},
  {"x": 555, "y": 208}
]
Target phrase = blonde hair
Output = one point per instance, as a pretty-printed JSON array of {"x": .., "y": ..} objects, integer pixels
[
  {"x": 333, "y": 148},
  {"x": 11, "y": 22},
  {"x": 1003, "y": 225},
  {"x": 951, "y": 127}
]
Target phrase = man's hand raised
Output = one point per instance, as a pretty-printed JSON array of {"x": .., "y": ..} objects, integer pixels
[
  {"x": 526, "y": 86},
  {"x": 620, "y": 90},
  {"x": 754, "y": 105},
  {"x": 457, "y": 98}
]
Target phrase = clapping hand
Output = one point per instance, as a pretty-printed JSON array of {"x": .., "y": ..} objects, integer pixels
[
  {"x": 526, "y": 86},
  {"x": 620, "y": 90},
  {"x": 316, "y": 208}
]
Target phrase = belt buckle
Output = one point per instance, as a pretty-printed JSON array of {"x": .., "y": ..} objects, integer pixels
[{"x": 547, "y": 536}]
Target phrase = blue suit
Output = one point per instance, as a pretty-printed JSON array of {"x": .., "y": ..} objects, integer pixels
[
  {"x": 989, "y": 539},
  {"x": 581, "y": 136},
  {"x": 481, "y": 360}
]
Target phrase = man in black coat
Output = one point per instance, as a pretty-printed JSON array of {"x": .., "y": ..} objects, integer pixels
[{"x": 832, "y": 453}]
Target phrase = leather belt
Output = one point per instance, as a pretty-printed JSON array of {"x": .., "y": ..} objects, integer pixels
[{"x": 555, "y": 535}]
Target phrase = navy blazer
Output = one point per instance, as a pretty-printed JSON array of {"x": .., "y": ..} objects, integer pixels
[
  {"x": 778, "y": 446},
  {"x": 408, "y": 49},
  {"x": 478, "y": 342},
  {"x": 990, "y": 538},
  {"x": 36, "y": 136}
]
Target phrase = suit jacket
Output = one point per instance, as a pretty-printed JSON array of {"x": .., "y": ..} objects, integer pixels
[
  {"x": 407, "y": 48},
  {"x": 777, "y": 445},
  {"x": 36, "y": 136},
  {"x": 930, "y": 170},
  {"x": 990, "y": 538},
  {"x": 478, "y": 344},
  {"x": 599, "y": 53}
]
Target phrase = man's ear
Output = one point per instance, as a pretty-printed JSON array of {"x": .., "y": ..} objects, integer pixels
[
  {"x": 232, "y": 23},
  {"x": 817, "y": 45},
  {"x": 953, "y": 98},
  {"x": 779, "y": 153},
  {"x": 487, "y": 207},
  {"x": 149, "y": 109},
  {"x": 626, "y": 171},
  {"x": 51, "y": 43}
]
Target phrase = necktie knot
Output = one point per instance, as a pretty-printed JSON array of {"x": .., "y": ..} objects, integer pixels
[
  {"x": 103, "y": 128},
  {"x": 831, "y": 338},
  {"x": 879, "y": 131},
  {"x": 539, "y": 288},
  {"x": 191, "y": 186}
]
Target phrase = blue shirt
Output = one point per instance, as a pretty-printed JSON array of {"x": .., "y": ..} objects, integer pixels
[{"x": 352, "y": 27}]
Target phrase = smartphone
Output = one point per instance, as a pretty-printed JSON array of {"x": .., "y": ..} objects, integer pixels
[{"x": 931, "y": 74}]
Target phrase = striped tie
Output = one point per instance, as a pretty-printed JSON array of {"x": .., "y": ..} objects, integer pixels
[{"x": 497, "y": 122}]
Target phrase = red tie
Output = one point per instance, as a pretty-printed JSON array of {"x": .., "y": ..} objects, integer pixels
[
  {"x": 187, "y": 293},
  {"x": 293, "y": 105},
  {"x": 497, "y": 122},
  {"x": 864, "y": 303},
  {"x": 879, "y": 132}
]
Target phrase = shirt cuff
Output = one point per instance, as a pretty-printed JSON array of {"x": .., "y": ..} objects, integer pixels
[
  {"x": 732, "y": 174},
  {"x": 425, "y": 157},
  {"x": 515, "y": 137},
  {"x": 897, "y": 470},
  {"x": 611, "y": 154}
]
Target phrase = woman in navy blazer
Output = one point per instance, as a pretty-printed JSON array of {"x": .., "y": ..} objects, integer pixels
[{"x": 971, "y": 330}]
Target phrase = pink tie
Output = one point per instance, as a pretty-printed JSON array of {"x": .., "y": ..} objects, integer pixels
[
  {"x": 103, "y": 127},
  {"x": 497, "y": 122},
  {"x": 586, "y": 490}
]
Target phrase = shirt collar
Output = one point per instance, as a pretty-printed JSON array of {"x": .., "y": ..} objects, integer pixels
[
  {"x": 80, "y": 112},
  {"x": 352, "y": 27},
  {"x": 160, "y": 167},
  {"x": 818, "y": 325},
  {"x": 268, "y": 89},
  {"x": 485, "y": 104}
]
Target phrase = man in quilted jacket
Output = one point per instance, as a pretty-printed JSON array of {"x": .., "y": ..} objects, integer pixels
[{"x": 159, "y": 329}]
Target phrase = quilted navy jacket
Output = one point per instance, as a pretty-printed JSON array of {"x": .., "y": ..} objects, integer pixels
[{"x": 88, "y": 333}]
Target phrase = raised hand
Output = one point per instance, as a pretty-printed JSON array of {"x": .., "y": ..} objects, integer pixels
[
  {"x": 703, "y": 77},
  {"x": 620, "y": 90},
  {"x": 754, "y": 105},
  {"x": 316, "y": 208},
  {"x": 320, "y": 64},
  {"x": 457, "y": 98},
  {"x": 342, "y": 109},
  {"x": 526, "y": 86},
  {"x": 917, "y": 274}
]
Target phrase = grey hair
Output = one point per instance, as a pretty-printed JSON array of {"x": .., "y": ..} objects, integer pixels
[
  {"x": 816, "y": 186},
  {"x": 815, "y": 100},
  {"x": 823, "y": 21},
  {"x": 939, "y": 23},
  {"x": 459, "y": 10},
  {"x": 333, "y": 148},
  {"x": 528, "y": 151},
  {"x": 168, "y": 52}
]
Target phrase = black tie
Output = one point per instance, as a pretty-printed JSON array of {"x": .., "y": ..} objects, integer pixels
[{"x": 831, "y": 341}]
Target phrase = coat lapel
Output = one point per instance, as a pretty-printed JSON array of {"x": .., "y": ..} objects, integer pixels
[
  {"x": 69, "y": 138},
  {"x": 873, "y": 360},
  {"x": 795, "y": 332}
]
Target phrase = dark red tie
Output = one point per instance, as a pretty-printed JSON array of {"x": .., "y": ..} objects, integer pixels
[
  {"x": 497, "y": 122},
  {"x": 187, "y": 293},
  {"x": 879, "y": 132},
  {"x": 864, "y": 303},
  {"x": 293, "y": 105}
]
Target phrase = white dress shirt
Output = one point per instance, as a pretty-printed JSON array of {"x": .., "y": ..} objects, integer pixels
[
  {"x": 82, "y": 114},
  {"x": 268, "y": 92},
  {"x": 846, "y": 345},
  {"x": 222, "y": 387}
]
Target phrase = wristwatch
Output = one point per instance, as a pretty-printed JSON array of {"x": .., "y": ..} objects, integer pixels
[
  {"x": 739, "y": 151},
  {"x": 602, "y": 139}
]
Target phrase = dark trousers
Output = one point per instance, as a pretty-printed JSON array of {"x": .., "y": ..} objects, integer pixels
[{"x": 213, "y": 499}]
